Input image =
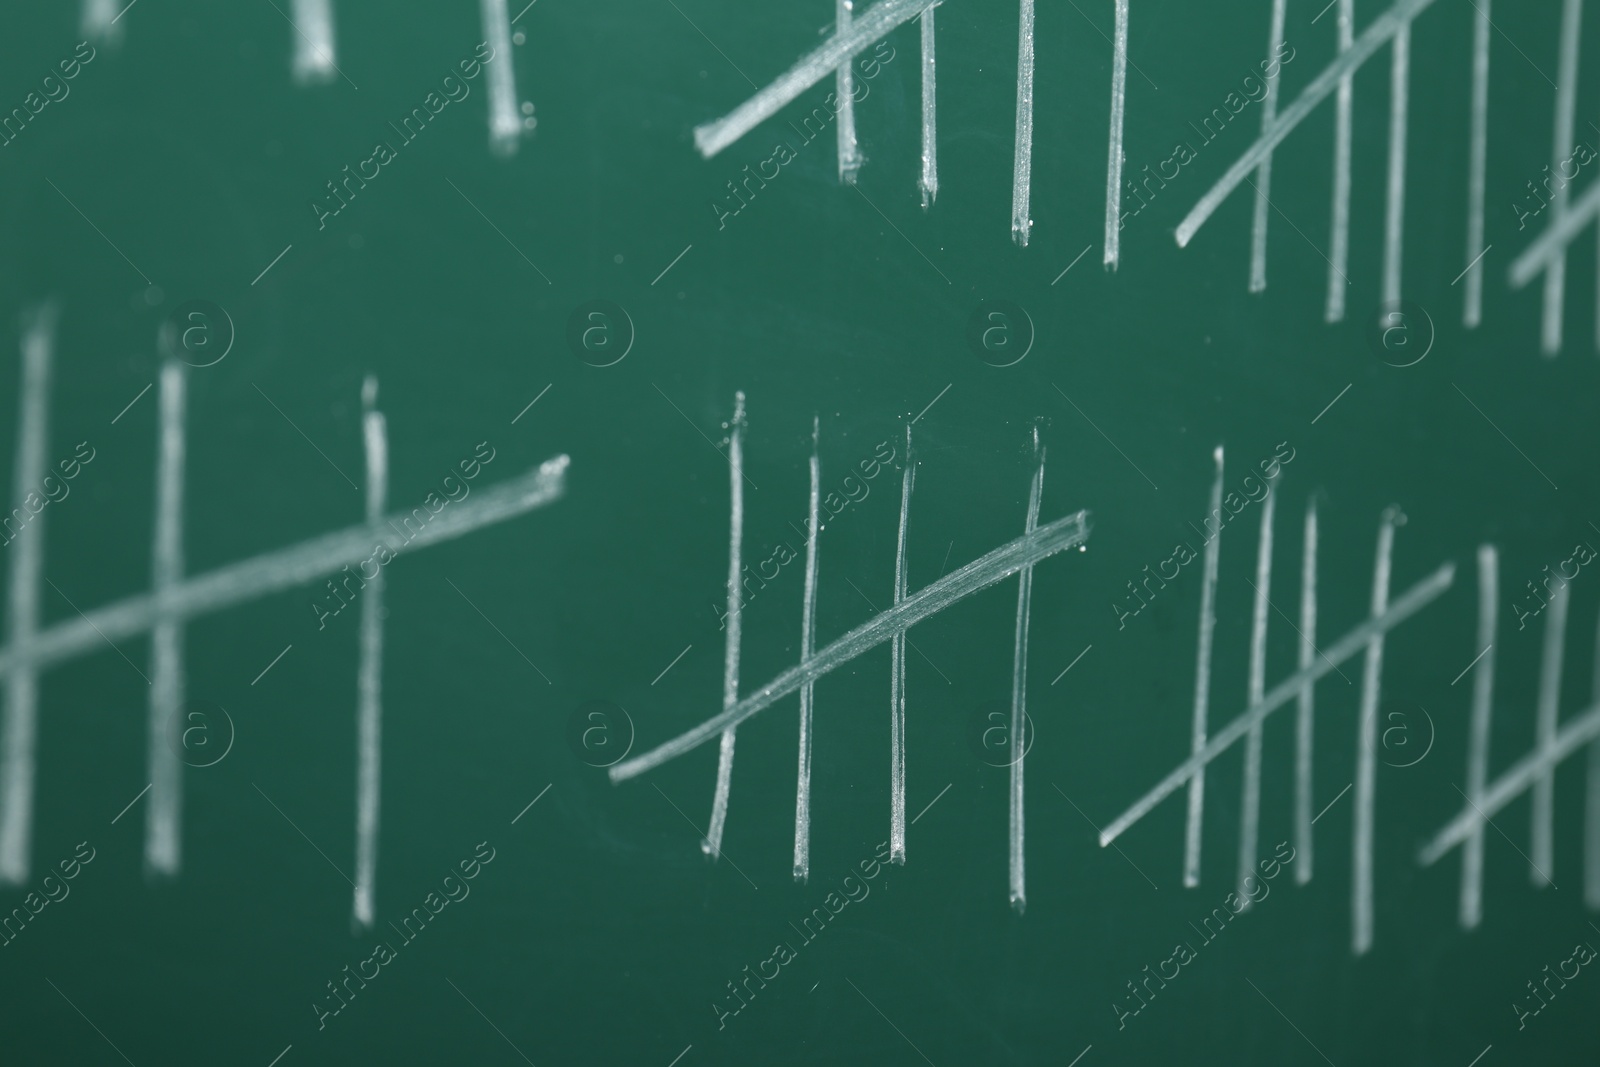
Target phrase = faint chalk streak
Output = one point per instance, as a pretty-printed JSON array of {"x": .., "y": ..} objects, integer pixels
[
  {"x": 720, "y": 854},
  {"x": 685, "y": 1052},
  {"x": 674, "y": 263},
  {"x": 1079, "y": 1056},
  {"x": 673, "y": 664},
  {"x": 532, "y": 402},
  {"x": 1479, "y": 1056},
  {"x": 273, "y": 664},
  {"x": 531, "y": 803},
  {"x": 1121, "y": 853},
  {"x": 280, "y": 1056},
  {"x": 1102, "y": 433},
  {"x": 701, "y": 432},
  {"x": 274, "y": 263}
]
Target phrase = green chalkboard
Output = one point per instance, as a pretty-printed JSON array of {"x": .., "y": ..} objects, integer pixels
[{"x": 1195, "y": 657}]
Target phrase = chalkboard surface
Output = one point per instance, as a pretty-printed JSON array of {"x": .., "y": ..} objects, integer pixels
[{"x": 1193, "y": 639}]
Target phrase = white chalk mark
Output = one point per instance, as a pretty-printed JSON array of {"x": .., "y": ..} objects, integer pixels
[
  {"x": 1394, "y": 214},
  {"x": 274, "y": 263},
  {"x": 273, "y": 664},
  {"x": 100, "y": 21},
  {"x": 713, "y": 137},
  {"x": 1019, "y": 692},
  {"x": 1478, "y": 735},
  {"x": 280, "y": 1056},
  {"x": 712, "y": 845},
  {"x": 673, "y": 664},
  {"x": 1202, "y": 687},
  {"x": 1022, "y": 168},
  {"x": 532, "y": 402},
  {"x": 685, "y": 1052},
  {"x": 808, "y": 644},
  {"x": 1305, "y": 721},
  {"x": 1073, "y": 664},
  {"x": 286, "y": 568},
  {"x": 131, "y": 803},
  {"x": 1378, "y": 33},
  {"x": 1561, "y": 148},
  {"x": 1114, "y": 152},
  {"x": 932, "y": 402},
  {"x": 1367, "y": 747},
  {"x": 844, "y": 90},
  {"x": 1263, "y": 182},
  {"x": 505, "y": 126},
  {"x": 1339, "y": 259},
  {"x": 1347, "y": 647},
  {"x": 1551, "y": 245},
  {"x": 17, "y": 757},
  {"x": 1591, "y": 807},
  {"x": 1575, "y": 732},
  {"x": 1074, "y": 262},
  {"x": 1250, "y": 801},
  {"x": 132, "y": 402},
  {"x": 1079, "y": 1056},
  {"x": 1486, "y": 1049},
  {"x": 931, "y": 803},
  {"x": 674, "y": 263},
  {"x": 981, "y": 573},
  {"x": 1542, "y": 845},
  {"x": 313, "y": 47},
  {"x": 928, "y": 183},
  {"x": 1472, "y": 307},
  {"x": 532, "y": 802},
  {"x": 163, "y": 826},
  {"x": 897, "y": 675},
  {"x": 1334, "y": 801},
  {"x": 103, "y": 637},
  {"x": 369, "y": 677}
]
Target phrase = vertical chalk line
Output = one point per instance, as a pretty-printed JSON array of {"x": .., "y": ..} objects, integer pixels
[
  {"x": 929, "y": 182},
  {"x": 1565, "y": 112},
  {"x": 1542, "y": 846},
  {"x": 1367, "y": 747},
  {"x": 1019, "y": 693},
  {"x": 897, "y": 676},
  {"x": 1339, "y": 246},
  {"x": 100, "y": 21},
  {"x": 1394, "y": 214},
  {"x": 504, "y": 126},
  {"x": 844, "y": 88},
  {"x": 1472, "y": 310},
  {"x": 808, "y": 645},
  {"x": 369, "y": 681},
  {"x": 1269, "y": 111},
  {"x": 313, "y": 41},
  {"x": 1250, "y": 803},
  {"x": 1305, "y": 722},
  {"x": 163, "y": 815},
  {"x": 1478, "y": 737},
  {"x": 1114, "y": 152},
  {"x": 712, "y": 845},
  {"x": 1591, "y": 820},
  {"x": 22, "y": 595},
  {"x": 1202, "y": 684},
  {"x": 1022, "y": 172}
]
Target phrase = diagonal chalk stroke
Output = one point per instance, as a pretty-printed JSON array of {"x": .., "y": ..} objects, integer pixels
[
  {"x": 981, "y": 573},
  {"x": 882, "y": 17},
  {"x": 1347, "y": 647},
  {"x": 1375, "y": 36}
]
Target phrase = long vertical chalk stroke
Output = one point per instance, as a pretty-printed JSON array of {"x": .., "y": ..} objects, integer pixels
[
  {"x": 808, "y": 645},
  {"x": 1269, "y": 110},
  {"x": 163, "y": 814},
  {"x": 1591, "y": 813},
  {"x": 1305, "y": 719},
  {"x": 1114, "y": 152},
  {"x": 712, "y": 845},
  {"x": 22, "y": 599},
  {"x": 504, "y": 126},
  {"x": 1394, "y": 209},
  {"x": 1339, "y": 245},
  {"x": 1541, "y": 849},
  {"x": 369, "y": 678},
  {"x": 1250, "y": 802},
  {"x": 1561, "y": 148},
  {"x": 1367, "y": 748},
  {"x": 844, "y": 88},
  {"x": 1022, "y": 169},
  {"x": 897, "y": 675},
  {"x": 1202, "y": 684},
  {"x": 929, "y": 181},
  {"x": 1472, "y": 307},
  {"x": 1478, "y": 736},
  {"x": 1019, "y": 695},
  {"x": 313, "y": 41},
  {"x": 100, "y": 21}
]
